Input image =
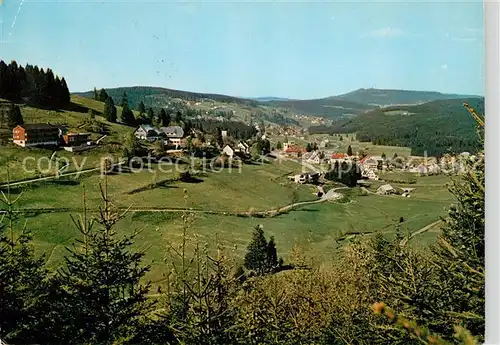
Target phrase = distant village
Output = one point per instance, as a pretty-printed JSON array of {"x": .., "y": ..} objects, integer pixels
[{"x": 175, "y": 138}]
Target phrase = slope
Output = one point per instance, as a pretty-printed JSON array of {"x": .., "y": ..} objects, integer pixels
[
  {"x": 435, "y": 127},
  {"x": 387, "y": 97},
  {"x": 158, "y": 96}
]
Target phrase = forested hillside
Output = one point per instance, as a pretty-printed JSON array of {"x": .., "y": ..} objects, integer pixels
[
  {"x": 32, "y": 85},
  {"x": 326, "y": 107},
  {"x": 392, "y": 97},
  {"x": 435, "y": 127},
  {"x": 136, "y": 94}
]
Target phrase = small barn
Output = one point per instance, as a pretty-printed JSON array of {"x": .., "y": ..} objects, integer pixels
[{"x": 386, "y": 189}]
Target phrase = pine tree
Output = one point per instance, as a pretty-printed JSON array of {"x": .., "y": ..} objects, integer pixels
[
  {"x": 102, "y": 300},
  {"x": 349, "y": 151},
  {"x": 65, "y": 92},
  {"x": 14, "y": 116},
  {"x": 109, "y": 110},
  {"x": 271, "y": 254},
  {"x": 150, "y": 115},
  {"x": 178, "y": 117},
  {"x": 103, "y": 95},
  {"x": 23, "y": 284},
  {"x": 124, "y": 101},
  {"x": 461, "y": 250},
  {"x": 96, "y": 95},
  {"x": 162, "y": 118},
  {"x": 256, "y": 255},
  {"x": 279, "y": 145},
  {"x": 141, "y": 108},
  {"x": 127, "y": 116}
]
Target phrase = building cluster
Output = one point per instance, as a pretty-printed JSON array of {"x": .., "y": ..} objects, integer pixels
[
  {"x": 171, "y": 136},
  {"x": 47, "y": 134}
]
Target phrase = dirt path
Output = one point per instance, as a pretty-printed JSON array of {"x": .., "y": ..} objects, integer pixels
[
  {"x": 419, "y": 231},
  {"x": 38, "y": 179},
  {"x": 330, "y": 195}
]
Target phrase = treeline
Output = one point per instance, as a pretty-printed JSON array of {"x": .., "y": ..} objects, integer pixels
[
  {"x": 150, "y": 95},
  {"x": 437, "y": 127},
  {"x": 99, "y": 296},
  {"x": 32, "y": 85},
  {"x": 236, "y": 129}
]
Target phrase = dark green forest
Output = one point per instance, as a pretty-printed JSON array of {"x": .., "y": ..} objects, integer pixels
[
  {"x": 136, "y": 94},
  {"x": 436, "y": 127},
  {"x": 32, "y": 85}
]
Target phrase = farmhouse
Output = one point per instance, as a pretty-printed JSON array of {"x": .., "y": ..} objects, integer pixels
[
  {"x": 338, "y": 157},
  {"x": 385, "y": 189},
  {"x": 228, "y": 150},
  {"x": 36, "y": 134},
  {"x": 372, "y": 162},
  {"x": 147, "y": 132},
  {"x": 243, "y": 147},
  {"x": 312, "y": 157},
  {"x": 174, "y": 135},
  {"x": 294, "y": 151},
  {"x": 76, "y": 139},
  {"x": 305, "y": 178}
]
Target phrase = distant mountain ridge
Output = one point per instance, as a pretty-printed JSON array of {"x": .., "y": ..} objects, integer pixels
[
  {"x": 434, "y": 127},
  {"x": 388, "y": 97},
  {"x": 345, "y": 105}
]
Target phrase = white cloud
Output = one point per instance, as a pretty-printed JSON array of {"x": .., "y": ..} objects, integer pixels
[
  {"x": 444, "y": 67},
  {"x": 387, "y": 32}
]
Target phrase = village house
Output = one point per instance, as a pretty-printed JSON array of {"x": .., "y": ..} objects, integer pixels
[
  {"x": 311, "y": 157},
  {"x": 76, "y": 139},
  {"x": 294, "y": 151},
  {"x": 175, "y": 135},
  {"x": 338, "y": 157},
  {"x": 229, "y": 151},
  {"x": 243, "y": 148},
  {"x": 147, "y": 132},
  {"x": 305, "y": 177},
  {"x": 37, "y": 134},
  {"x": 372, "y": 162},
  {"x": 369, "y": 174}
]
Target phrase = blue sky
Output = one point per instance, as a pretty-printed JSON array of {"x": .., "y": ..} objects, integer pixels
[{"x": 252, "y": 48}]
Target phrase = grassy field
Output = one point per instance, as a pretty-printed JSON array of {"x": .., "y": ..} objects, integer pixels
[
  {"x": 12, "y": 157},
  {"x": 257, "y": 187}
]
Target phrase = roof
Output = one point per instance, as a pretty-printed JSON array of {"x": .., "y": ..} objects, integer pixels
[
  {"x": 339, "y": 155},
  {"x": 173, "y": 131},
  {"x": 386, "y": 187},
  {"x": 75, "y": 134},
  {"x": 147, "y": 128},
  {"x": 29, "y": 126},
  {"x": 294, "y": 149}
]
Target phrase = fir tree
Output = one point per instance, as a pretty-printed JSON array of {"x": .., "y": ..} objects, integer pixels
[
  {"x": 124, "y": 101},
  {"x": 141, "y": 108},
  {"x": 102, "y": 300},
  {"x": 178, "y": 117},
  {"x": 23, "y": 284},
  {"x": 109, "y": 110},
  {"x": 150, "y": 115},
  {"x": 256, "y": 255},
  {"x": 96, "y": 95},
  {"x": 349, "y": 151},
  {"x": 14, "y": 116},
  {"x": 127, "y": 116},
  {"x": 103, "y": 95},
  {"x": 271, "y": 254}
]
